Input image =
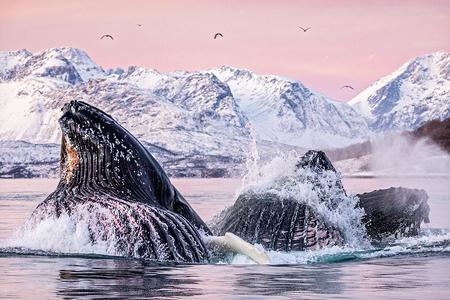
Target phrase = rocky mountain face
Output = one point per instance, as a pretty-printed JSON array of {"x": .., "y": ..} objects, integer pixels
[{"x": 417, "y": 92}]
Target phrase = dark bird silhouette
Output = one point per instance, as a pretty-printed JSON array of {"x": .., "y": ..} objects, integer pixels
[
  {"x": 107, "y": 36},
  {"x": 218, "y": 34},
  {"x": 347, "y": 86},
  {"x": 304, "y": 29},
  {"x": 139, "y": 25}
]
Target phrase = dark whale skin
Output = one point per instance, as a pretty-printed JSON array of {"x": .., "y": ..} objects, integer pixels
[
  {"x": 394, "y": 212},
  {"x": 108, "y": 177}
]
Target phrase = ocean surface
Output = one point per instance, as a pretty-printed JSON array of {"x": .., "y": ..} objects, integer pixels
[{"x": 413, "y": 268}]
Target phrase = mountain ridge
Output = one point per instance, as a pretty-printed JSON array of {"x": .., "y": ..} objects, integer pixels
[
  {"x": 299, "y": 114},
  {"x": 197, "y": 123}
]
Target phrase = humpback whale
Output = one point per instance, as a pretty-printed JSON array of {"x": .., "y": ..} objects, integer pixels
[
  {"x": 284, "y": 223},
  {"x": 109, "y": 180}
]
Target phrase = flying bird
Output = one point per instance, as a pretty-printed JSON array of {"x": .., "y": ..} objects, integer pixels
[
  {"x": 139, "y": 25},
  {"x": 347, "y": 86},
  {"x": 304, "y": 29},
  {"x": 218, "y": 34},
  {"x": 107, "y": 36}
]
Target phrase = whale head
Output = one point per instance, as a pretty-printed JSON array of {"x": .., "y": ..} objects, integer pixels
[{"x": 99, "y": 155}]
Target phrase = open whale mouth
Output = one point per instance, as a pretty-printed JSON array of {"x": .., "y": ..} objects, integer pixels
[
  {"x": 72, "y": 132},
  {"x": 113, "y": 185}
]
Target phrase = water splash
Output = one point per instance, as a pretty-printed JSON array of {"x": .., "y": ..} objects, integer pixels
[
  {"x": 111, "y": 228},
  {"x": 253, "y": 159},
  {"x": 63, "y": 234},
  {"x": 323, "y": 192}
]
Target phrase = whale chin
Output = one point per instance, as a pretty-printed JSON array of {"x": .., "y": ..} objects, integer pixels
[{"x": 112, "y": 183}]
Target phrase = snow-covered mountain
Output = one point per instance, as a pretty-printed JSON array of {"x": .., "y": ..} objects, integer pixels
[
  {"x": 285, "y": 111},
  {"x": 417, "y": 92},
  {"x": 192, "y": 120}
]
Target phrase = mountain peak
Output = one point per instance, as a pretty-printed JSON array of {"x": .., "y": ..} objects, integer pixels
[
  {"x": 70, "y": 64},
  {"x": 417, "y": 92},
  {"x": 84, "y": 65}
]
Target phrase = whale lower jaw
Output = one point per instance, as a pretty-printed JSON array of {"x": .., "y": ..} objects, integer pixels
[{"x": 130, "y": 229}]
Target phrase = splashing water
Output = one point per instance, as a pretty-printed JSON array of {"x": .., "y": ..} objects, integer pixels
[
  {"x": 110, "y": 228},
  {"x": 252, "y": 160},
  {"x": 323, "y": 192},
  {"x": 63, "y": 234}
]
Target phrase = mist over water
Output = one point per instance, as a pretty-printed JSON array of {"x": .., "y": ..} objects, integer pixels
[{"x": 401, "y": 154}]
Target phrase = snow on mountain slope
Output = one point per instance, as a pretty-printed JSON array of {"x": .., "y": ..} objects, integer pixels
[
  {"x": 193, "y": 120},
  {"x": 84, "y": 65},
  {"x": 25, "y": 112},
  {"x": 68, "y": 64},
  {"x": 10, "y": 60},
  {"x": 417, "y": 92},
  {"x": 201, "y": 93},
  {"x": 285, "y": 111}
]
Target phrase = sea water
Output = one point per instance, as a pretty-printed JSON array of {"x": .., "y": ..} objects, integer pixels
[{"x": 55, "y": 263}]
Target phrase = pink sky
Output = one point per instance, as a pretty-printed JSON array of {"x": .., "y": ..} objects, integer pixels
[{"x": 351, "y": 42}]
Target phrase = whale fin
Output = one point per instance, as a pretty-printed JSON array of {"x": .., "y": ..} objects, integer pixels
[{"x": 238, "y": 245}]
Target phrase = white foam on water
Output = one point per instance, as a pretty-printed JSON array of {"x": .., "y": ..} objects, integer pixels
[
  {"x": 63, "y": 234},
  {"x": 428, "y": 242},
  {"x": 72, "y": 236}
]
